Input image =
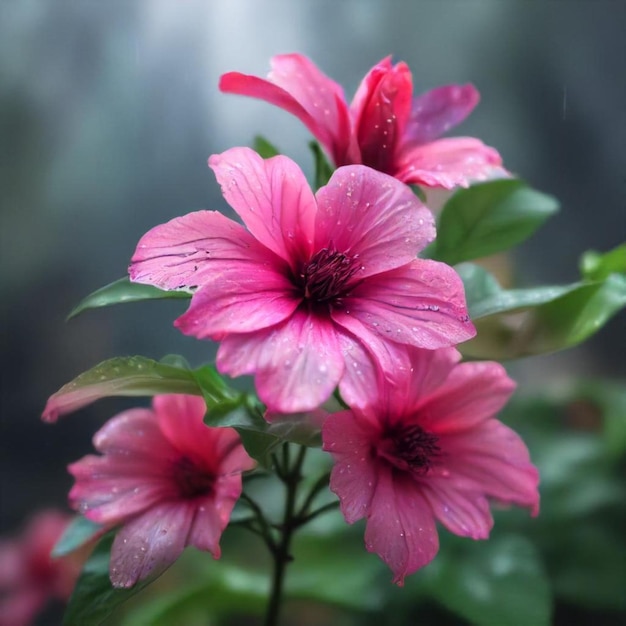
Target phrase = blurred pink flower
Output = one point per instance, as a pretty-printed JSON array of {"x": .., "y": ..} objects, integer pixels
[
  {"x": 384, "y": 127},
  {"x": 29, "y": 576},
  {"x": 428, "y": 448},
  {"x": 312, "y": 280},
  {"x": 166, "y": 478}
]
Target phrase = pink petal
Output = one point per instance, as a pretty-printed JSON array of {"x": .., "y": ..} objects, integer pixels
[
  {"x": 472, "y": 393},
  {"x": 182, "y": 253},
  {"x": 239, "y": 300},
  {"x": 213, "y": 514},
  {"x": 366, "y": 213},
  {"x": 447, "y": 163},
  {"x": 109, "y": 498},
  {"x": 421, "y": 303},
  {"x": 355, "y": 473},
  {"x": 149, "y": 544},
  {"x": 135, "y": 433},
  {"x": 428, "y": 371},
  {"x": 369, "y": 362},
  {"x": 180, "y": 419},
  {"x": 366, "y": 87},
  {"x": 437, "y": 111},
  {"x": 401, "y": 527},
  {"x": 218, "y": 450},
  {"x": 273, "y": 199},
  {"x": 298, "y": 86},
  {"x": 493, "y": 460},
  {"x": 464, "y": 513},
  {"x": 380, "y": 110},
  {"x": 297, "y": 363}
]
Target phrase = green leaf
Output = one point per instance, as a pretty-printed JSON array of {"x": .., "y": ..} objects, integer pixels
[
  {"x": 120, "y": 376},
  {"x": 501, "y": 581},
  {"x": 94, "y": 598},
  {"x": 121, "y": 291},
  {"x": 488, "y": 218},
  {"x": 258, "y": 436},
  {"x": 264, "y": 148},
  {"x": 597, "y": 266},
  {"x": 79, "y": 532},
  {"x": 323, "y": 169},
  {"x": 544, "y": 319}
]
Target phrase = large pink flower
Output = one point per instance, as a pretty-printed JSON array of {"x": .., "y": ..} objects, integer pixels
[
  {"x": 29, "y": 576},
  {"x": 312, "y": 280},
  {"x": 428, "y": 448},
  {"x": 384, "y": 127},
  {"x": 166, "y": 478}
]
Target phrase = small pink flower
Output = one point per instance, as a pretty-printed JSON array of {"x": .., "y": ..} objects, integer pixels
[
  {"x": 166, "y": 478},
  {"x": 312, "y": 280},
  {"x": 29, "y": 576},
  {"x": 428, "y": 448},
  {"x": 384, "y": 127}
]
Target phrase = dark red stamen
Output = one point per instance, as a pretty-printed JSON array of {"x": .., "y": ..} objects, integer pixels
[
  {"x": 191, "y": 480},
  {"x": 411, "y": 448},
  {"x": 325, "y": 276}
]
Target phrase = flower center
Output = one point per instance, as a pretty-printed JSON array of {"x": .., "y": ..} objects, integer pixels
[
  {"x": 411, "y": 448},
  {"x": 191, "y": 480},
  {"x": 326, "y": 275}
]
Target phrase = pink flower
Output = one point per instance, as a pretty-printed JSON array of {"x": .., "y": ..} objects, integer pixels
[
  {"x": 29, "y": 576},
  {"x": 429, "y": 448},
  {"x": 311, "y": 281},
  {"x": 384, "y": 127},
  {"x": 166, "y": 478}
]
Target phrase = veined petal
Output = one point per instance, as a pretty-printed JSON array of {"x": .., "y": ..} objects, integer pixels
[
  {"x": 237, "y": 300},
  {"x": 464, "y": 513},
  {"x": 421, "y": 304},
  {"x": 371, "y": 216},
  {"x": 355, "y": 473},
  {"x": 472, "y": 393},
  {"x": 437, "y": 111},
  {"x": 180, "y": 253},
  {"x": 213, "y": 515},
  {"x": 429, "y": 369},
  {"x": 133, "y": 433},
  {"x": 149, "y": 544},
  {"x": 370, "y": 363},
  {"x": 272, "y": 197},
  {"x": 447, "y": 163},
  {"x": 380, "y": 111},
  {"x": 296, "y": 85},
  {"x": 104, "y": 493},
  {"x": 298, "y": 363},
  {"x": 401, "y": 526},
  {"x": 491, "y": 459},
  {"x": 366, "y": 87},
  {"x": 216, "y": 450}
]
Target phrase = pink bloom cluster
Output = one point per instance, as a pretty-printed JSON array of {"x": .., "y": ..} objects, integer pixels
[
  {"x": 316, "y": 286},
  {"x": 384, "y": 127},
  {"x": 427, "y": 447},
  {"x": 314, "y": 292},
  {"x": 29, "y": 576},
  {"x": 166, "y": 478}
]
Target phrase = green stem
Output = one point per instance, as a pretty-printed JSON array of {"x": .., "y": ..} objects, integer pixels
[
  {"x": 291, "y": 477},
  {"x": 264, "y": 528}
]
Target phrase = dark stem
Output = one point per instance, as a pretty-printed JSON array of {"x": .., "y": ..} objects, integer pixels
[{"x": 291, "y": 476}]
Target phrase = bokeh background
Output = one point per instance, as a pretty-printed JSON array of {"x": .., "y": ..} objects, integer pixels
[{"x": 109, "y": 110}]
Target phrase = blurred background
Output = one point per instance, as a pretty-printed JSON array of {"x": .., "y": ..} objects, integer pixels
[{"x": 109, "y": 110}]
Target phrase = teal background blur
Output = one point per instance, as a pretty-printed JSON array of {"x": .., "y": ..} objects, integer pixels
[{"x": 109, "y": 110}]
